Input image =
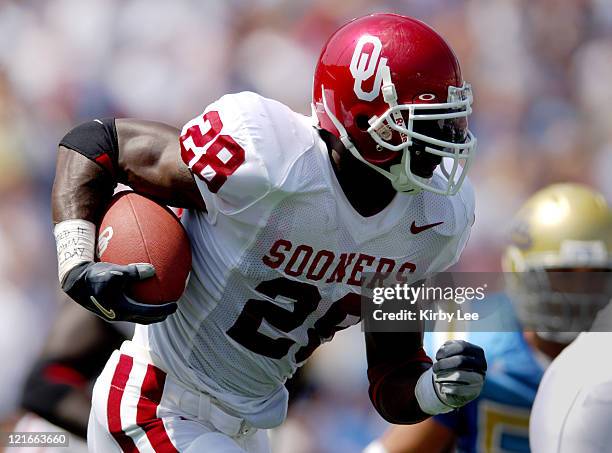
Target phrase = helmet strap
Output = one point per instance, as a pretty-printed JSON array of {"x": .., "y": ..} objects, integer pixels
[
  {"x": 313, "y": 115},
  {"x": 390, "y": 97}
]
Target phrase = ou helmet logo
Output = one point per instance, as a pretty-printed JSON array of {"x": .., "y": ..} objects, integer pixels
[{"x": 364, "y": 65}]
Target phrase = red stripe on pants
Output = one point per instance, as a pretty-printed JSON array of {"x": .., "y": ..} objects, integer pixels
[
  {"x": 113, "y": 408},
  {"x": 146, "y": 415}
]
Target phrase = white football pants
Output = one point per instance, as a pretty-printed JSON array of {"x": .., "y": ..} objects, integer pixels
[{"x": 137, "y": 407}]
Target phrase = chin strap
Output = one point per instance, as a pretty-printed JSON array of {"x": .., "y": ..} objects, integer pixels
[
  {"x": 399, "y": 180},
  {"x": 390, "y": 97}
]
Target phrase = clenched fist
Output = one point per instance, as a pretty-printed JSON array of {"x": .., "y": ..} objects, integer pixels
[{"x": 454, "y": 380}]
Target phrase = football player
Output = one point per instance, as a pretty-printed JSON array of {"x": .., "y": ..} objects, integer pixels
[
  {"x": 573, "y": 410},
  {"x": 58, "y": 387},
  {"x": 284, "y": 217},
  {"x": 57, "y": 393},
  {"x": 556, "y": 229}
]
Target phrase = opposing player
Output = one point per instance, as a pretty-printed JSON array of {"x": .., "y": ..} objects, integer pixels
[
  {"x": 57, "y": 393},
  {"x": 573, "y": 410},
  {"x": 560, "y": 228},
  {"x": 284, "y": 218},
  {"x": 57, "y": 387}
]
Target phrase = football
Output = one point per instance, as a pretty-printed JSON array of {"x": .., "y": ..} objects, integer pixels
[{"x": 135, "y": 229}]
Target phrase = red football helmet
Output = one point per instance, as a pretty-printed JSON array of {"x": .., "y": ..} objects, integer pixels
[{"x": 386, "y": 84}]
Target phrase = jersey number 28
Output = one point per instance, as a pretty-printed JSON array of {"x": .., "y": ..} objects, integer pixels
[
  {"x": 307, "y": 298},
  {"x": 210, "y": 155}
]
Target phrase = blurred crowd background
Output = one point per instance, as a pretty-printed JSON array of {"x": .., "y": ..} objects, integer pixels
[{"x": 541, "y": 72}]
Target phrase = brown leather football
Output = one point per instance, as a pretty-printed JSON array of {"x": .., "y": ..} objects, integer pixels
[{"x": 135, "y": 229}]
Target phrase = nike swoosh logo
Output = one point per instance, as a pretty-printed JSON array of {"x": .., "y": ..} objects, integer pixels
[
  {"x": 109, "y": 314},
  {"x": 419, "y": 229}
]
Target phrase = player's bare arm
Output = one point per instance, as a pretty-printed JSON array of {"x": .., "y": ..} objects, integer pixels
[
  {"x": 148, "y": 161},
  {"x": 92, "y": 159}
]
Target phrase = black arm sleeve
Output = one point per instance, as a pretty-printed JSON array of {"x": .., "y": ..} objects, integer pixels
[
  {"x": 396, "y": 360},
  {"x": 96, "y": 140}
]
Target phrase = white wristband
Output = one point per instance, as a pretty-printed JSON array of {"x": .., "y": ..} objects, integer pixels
[
  {"x": 427, "y": 397},
  {"x": 75, "y": 240}
]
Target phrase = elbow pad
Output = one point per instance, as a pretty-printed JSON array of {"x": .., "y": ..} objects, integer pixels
[{"x": 96, "y": 140}]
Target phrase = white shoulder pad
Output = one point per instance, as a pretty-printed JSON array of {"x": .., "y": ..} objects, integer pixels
[{"x": 241, "y": 149}]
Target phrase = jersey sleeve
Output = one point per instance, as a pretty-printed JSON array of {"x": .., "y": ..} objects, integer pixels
[{"x": 241, "y": 149}]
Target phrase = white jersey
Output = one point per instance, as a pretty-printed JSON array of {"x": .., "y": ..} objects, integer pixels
[
  {"x": 573, "y": 408},
  {"x": 279, "y": 255}
]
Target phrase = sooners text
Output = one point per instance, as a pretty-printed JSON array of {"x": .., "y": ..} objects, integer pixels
[{"x": 302, "y": 260}]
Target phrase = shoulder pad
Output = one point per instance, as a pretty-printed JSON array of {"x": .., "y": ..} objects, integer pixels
[{"x": 241, "y": 148}]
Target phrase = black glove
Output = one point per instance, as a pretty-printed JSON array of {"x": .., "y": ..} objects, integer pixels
[
  {"x": 459, "y": 372},
  {"x": 99, "y": 287},
  {"x": 454, "y": 380}
]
